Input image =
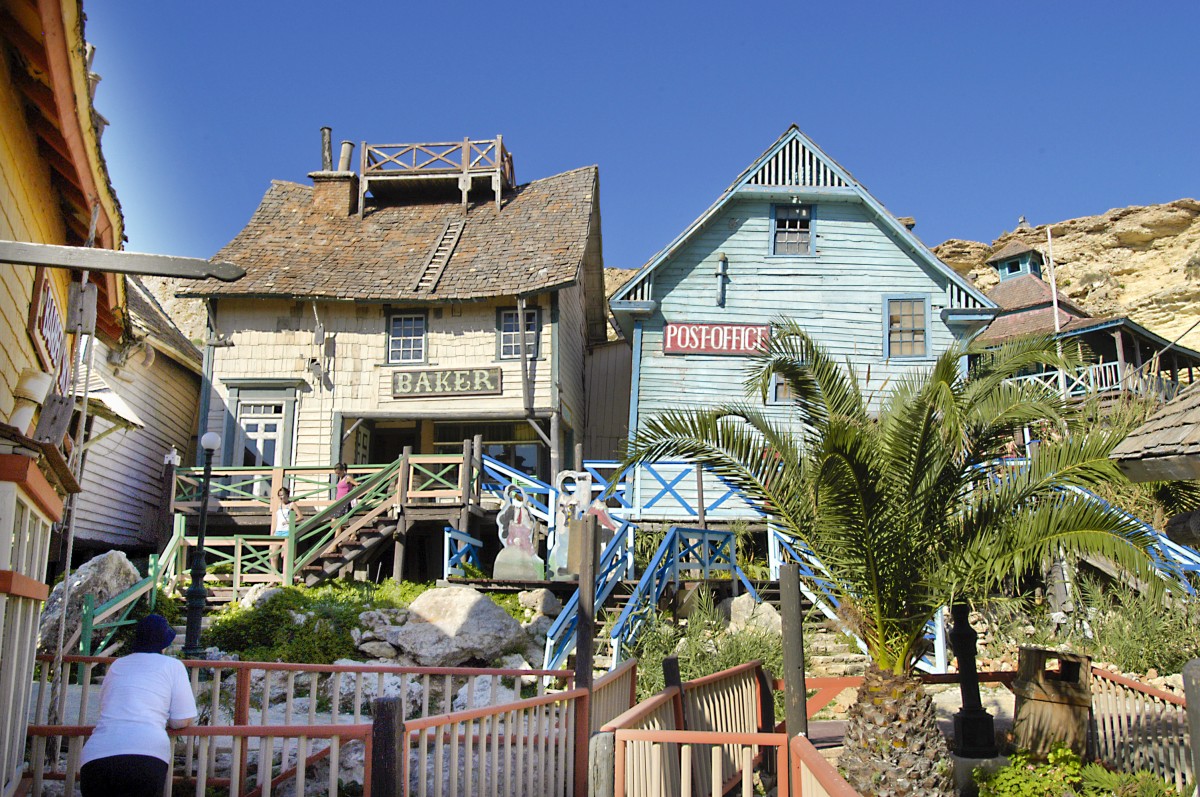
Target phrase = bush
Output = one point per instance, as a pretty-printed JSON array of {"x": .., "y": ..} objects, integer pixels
[{"x": 1064, "y": 774}]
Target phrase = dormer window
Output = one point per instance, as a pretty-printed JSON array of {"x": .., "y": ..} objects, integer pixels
[{"x": 1012, "y": 267}]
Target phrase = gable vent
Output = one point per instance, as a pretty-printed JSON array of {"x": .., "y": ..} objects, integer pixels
[
  {"x": 796, "y": 165},
  {"x": 439, "y": 257}
]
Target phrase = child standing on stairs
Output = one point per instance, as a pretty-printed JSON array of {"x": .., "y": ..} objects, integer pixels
[
  {"x": 284, "y": 515},
  {"x": 344, "y": 485}
]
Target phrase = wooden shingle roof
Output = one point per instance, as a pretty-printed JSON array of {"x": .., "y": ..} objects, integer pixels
[
  {"x": 290, "y": 249},
  {"x": 1167, "y": 445}
]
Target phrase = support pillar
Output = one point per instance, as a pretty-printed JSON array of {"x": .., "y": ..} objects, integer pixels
[{"x": 974, "y": 730}]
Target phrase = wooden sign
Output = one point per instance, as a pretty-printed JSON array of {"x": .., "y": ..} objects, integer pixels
[
  {"x": 48, "y": 331},
  {"x": 729, "y": 339},
  {"x": 446, "y": 382}
]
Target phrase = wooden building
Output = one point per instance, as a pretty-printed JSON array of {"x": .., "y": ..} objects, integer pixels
[
  {"x": 1124, "y": 357},
  {"x": 794, "y": 236},
  {"x": 420, "y": 301},
  {"x": 52, "y": 179},
  {"x": 144, "y": 397}
]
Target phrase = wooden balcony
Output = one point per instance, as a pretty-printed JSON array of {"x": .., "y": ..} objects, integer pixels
[
  {"x": 1106, "y": 378},
  {"x": 398, "y": 169}
]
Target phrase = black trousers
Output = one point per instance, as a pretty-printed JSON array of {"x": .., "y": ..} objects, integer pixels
[{"x": 123, "y": 776}]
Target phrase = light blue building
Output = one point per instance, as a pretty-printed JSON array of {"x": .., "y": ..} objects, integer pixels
[{"x": 796, "y": 236}]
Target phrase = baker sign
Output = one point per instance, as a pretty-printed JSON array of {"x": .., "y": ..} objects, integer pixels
[{"x": 737, "y": 339}]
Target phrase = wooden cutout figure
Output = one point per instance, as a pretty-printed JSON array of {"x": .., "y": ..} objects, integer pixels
[
  {"x": 518, "y": 533},
  {"x": 573, "y": 501}
]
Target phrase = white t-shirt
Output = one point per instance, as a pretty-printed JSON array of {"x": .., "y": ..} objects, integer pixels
[{"x": 140, "y": 693}]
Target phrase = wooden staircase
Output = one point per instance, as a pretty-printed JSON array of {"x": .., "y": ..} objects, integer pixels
[{"x": 350, "y": 556}]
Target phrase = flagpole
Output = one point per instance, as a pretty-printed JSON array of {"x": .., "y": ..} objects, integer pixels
[{"x": 1062, "y": 377}]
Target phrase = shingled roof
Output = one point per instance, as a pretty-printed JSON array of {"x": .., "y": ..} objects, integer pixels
[
  {"x": 1167, "y": 445},
  {"x": 149, "y": 318},
  {"x": 535, "y": 242}
]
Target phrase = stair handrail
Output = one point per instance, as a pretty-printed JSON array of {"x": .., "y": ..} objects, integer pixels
[
  {"x": 466, "y": 552},
  {"x": 507, "y": 475},
  {"x": 92, "y": 618},
  {"x": 329, "y": 527},
  {"x": 614, "y": 565},
  {"x": 658, "y": 573}
]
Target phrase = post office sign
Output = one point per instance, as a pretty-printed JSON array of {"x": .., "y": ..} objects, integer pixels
[
  {"x": 729, "y": 339},
  {"x": 446, "y": 382}
]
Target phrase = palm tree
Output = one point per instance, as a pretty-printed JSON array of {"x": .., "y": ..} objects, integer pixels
[{"x": 899, "y": 496}]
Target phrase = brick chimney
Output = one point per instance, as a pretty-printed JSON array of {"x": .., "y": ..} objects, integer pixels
[{"x": 335, "y": 193}]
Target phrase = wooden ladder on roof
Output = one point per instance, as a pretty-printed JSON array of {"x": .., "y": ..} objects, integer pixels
[{"x": 439, "y": 256}]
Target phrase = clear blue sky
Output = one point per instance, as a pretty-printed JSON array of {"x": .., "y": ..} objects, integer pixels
[{"x": 964, "y": 115}]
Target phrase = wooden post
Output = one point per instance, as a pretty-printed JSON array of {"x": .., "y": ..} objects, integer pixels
[
  {"x": 602, "y": 766},
  {"x": 585, "y": 642},
  {"x": 1191, "y": 691},
  {"x": 579, "y": 456},
  {"x": 700, "y": 511},
  {"x": 795, "y": 691},
  {"x": 401, "y": 537},
  {"x": 766, "y": 714},
  {"x": 402, "y": 484},
  {"x": 464, "y": 488},
  {"x": 555, "y": 445},
  {"x": 1120, "y": 340},
  {"x": 387, "y": 749},
  {"x": 477, "y": 468},
  {"x": 671, "y": 677}
]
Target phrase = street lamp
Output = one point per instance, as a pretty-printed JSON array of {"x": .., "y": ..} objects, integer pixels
[{"x": 197, "y": 596}]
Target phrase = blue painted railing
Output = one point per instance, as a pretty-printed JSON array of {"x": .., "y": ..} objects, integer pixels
[
  {"x": 458, "y": 549},
  {"x": 817, "y": 585},
  {"x": 615, "y": 566},
  {"x": 683, "y": 550}
]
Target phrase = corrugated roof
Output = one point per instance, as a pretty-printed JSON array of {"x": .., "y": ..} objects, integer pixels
[{"x": 536, "y": 242}]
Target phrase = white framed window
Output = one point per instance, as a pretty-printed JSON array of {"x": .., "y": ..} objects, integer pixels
[
  {"x": 261, "y": 440},
  {"x": 510, "y": 335},
  {"x": 791, "y": 230},
  {"x": 406, "y": 338},
  {"x": 906, "y": 327}
]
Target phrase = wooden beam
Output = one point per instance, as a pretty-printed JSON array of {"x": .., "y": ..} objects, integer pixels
[{"x": 115, "y": 262}]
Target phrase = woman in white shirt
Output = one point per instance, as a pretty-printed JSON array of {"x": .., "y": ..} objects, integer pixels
[{"x": 143, "y": 694}]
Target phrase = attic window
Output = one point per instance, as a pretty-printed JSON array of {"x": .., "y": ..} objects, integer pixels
[
  {"x": 907, "y": 327},
  {"x": 1012, "y": 266},
  {"x": 791, "y": 232}
]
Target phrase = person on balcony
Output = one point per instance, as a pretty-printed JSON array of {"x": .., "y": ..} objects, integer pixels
[
  {"x": 345, "y": 483},
  {"x": 144, "y": 693}
]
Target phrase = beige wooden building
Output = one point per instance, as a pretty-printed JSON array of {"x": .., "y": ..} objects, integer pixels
[{"x": 383, "y": 308}]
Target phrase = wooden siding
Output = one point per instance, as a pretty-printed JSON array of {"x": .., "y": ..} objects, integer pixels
[
  {"x": 571, "y": 354},
  {"x": 837, "y": 294},
  {"x": 274, "y": 339},
  {"x": 28, "y": 212},
  {"x": 608, "y": 378},
  {"x": 123, "y": 487}
]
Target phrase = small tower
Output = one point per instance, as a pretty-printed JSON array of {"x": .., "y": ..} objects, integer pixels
[{"x": 1015, "y": 259}]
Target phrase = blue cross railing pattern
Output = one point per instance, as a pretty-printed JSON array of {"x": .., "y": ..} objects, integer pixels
[
  {"x": 459, "y": 549},
  {"x": 615, "y": 566},
  {"x": 682, "y": 550}
]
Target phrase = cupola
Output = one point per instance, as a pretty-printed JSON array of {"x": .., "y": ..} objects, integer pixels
[{"x": 1015, "y": 259}]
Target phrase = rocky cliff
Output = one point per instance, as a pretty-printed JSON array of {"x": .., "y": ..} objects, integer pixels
[{"x": 1140, "y": 262}]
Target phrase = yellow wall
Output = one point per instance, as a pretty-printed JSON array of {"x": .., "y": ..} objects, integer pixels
[{"x": 28, "y": 212}]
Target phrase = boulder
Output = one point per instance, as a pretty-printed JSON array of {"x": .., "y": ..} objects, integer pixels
[
  {"x": 103, "y": 577},
  {"x": 540, "y": 601},
  {"x": 745, "y": 613},
  {"x": 448, "y": 626},
  {"x": 258, "y": 595},
  {"x": 394, "y": 685},
  {"x": 378, "y": 650},
  {"x": 515, "y": 661},
  {"x": 488, "y": 691},
  {"x": 538, "y": 627}
]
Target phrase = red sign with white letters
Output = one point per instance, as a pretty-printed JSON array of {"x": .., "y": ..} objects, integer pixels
[{"x": 727, "y": 339}]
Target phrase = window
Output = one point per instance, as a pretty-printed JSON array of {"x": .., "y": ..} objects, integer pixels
[
  {"x": 262, "y": 426},
  {"x": 780, "y": 391},
  {"x": 406, "y": 339},
  {"x": 906, "y": 327},
  {"x": 792, "y": 230},
  {"x": 510, "y": 339},
  {"x": 1012, "y": 266}
]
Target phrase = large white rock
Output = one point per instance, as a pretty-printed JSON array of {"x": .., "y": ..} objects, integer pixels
[
  {"x": 452, "y": 625},
  {"x": 103, "y": 577},
  {"x": 407, "y": 687},
  {"x": 259, "y": 595},
  {"x": 540, "y": 601},
  {"x": 744, "y": 612},
  {"x": 488, "y": 691}
]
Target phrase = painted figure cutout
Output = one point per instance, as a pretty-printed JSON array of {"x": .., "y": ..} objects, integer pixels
[
  {"x": 518, "y": 534},
  {"x": 574, "y": 495}
]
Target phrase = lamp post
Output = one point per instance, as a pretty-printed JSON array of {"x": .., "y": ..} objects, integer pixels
[{"x": 197, "y": 596}]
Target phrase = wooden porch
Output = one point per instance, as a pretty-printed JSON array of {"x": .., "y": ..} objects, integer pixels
[{"x": 465, "y": 165}]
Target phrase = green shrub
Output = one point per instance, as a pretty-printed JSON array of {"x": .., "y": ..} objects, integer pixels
[
  {"x": 168, "y": 606},
  {"x": 1064, "y": 774}
]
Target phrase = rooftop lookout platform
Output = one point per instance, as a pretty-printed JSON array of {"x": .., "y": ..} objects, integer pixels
[{"x": 391, "y": 170}]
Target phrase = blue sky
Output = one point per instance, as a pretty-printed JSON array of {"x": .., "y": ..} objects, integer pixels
[{"x": 963, "y": 115}]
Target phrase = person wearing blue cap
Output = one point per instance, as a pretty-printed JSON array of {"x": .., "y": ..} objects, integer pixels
[{"x": 144, "y": 693}]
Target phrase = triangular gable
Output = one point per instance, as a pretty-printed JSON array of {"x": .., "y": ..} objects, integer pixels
[{"x": 795, "y": 161}]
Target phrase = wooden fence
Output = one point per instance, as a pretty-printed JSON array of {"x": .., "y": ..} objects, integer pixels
[{"x": 1135, "y": 726}]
